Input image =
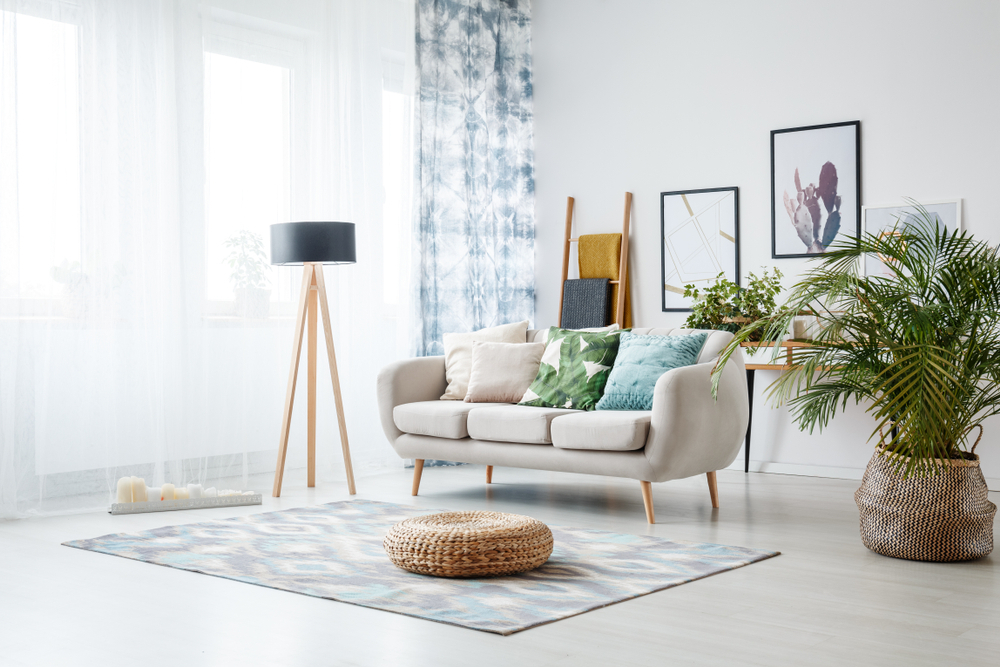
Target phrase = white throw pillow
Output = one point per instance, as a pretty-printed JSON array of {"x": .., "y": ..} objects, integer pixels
[
  {"x": 458, "y": 354},
  {"x": 502, "y": 372}
]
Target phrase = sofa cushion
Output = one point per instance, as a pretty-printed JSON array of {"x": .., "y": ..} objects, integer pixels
[
  {"x": 513, "y": 423},
  {"x": 458, "y": 354},
  {"x": 607, "y": 430},
  {"x": 573, "y": 370},
  {"x": 502, "y": 372},
  {"x": 640, "y": 362},
  {"x": 714, "y": 344},
  {"x": 442, "y": 419},
  {"x": 542, "y": 335}
]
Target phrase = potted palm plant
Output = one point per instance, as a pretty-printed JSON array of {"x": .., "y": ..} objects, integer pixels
[
  {"x": 249, "y": 275},
  {"x": 920, "y": 347}
]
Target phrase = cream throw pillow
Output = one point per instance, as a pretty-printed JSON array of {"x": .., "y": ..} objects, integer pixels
[
  {"x": 458, "y": 354},
  {"x": 502, "y": 372}
]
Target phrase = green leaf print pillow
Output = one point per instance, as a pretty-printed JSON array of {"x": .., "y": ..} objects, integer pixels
[{"x": 574, "y": 369}]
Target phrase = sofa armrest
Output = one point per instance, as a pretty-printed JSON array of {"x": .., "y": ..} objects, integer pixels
[
  {"x": 408, "y": 381},
  {"x": 690, "y": 431}
]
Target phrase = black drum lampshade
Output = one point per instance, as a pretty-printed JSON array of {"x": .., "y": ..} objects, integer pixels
[{"x": 324, "y": 242}]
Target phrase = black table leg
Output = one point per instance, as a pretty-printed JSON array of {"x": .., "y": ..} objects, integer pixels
[{"x": 746, "y": 447}]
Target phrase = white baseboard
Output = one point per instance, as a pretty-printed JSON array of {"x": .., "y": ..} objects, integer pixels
[{"x": 831, "y": 472}]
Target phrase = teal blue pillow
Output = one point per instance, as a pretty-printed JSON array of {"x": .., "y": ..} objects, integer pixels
[{"x": 640, "y": 362}]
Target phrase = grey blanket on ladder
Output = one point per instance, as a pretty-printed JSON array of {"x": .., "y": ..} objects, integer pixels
[{"x": 586, "y": 303}]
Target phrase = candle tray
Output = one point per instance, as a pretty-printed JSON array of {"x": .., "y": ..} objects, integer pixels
[{"x": 188, "y": 504}]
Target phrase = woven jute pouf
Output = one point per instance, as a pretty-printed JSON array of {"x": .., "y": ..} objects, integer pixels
[
  {"x": 943, "y": 517},
  {"x": 469, "y": 544}
]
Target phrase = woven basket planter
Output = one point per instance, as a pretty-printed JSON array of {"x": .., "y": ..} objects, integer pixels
[
  {"x": 469, "y": 544},
  {"x": 944, "y": 517}
]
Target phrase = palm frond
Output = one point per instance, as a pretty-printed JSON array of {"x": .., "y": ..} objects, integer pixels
[{"x": 920, "y": 347}]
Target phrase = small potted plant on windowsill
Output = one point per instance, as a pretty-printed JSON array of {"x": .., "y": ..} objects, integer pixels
[
  {"x": 70, "y": 275},
  {"x": 249, "y": 276},
  {"x": 920, "y": 348}
]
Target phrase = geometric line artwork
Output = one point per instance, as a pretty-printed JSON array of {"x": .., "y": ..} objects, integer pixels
[{"x": 699, "y": 240}]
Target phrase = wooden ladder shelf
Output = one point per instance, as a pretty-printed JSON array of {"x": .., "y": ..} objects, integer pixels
[{"x": 623, "y": 265}]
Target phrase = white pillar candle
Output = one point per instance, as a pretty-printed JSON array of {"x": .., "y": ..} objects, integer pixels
[
  {"x": 153, "y": 493},
  {"x": 125, "y": 490},
  {"x": 194, "y": 490},
  {"x": 210, "y": 492},
  {"x": 167, "y": 492},
  {"x": 181, "y": 493},
  {"x": 798, "y": 328},
  {"x": 138, "y": 490}
]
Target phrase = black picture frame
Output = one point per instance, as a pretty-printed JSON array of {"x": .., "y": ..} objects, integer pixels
[
  {"x": 822, "y": 201},
  {"x": 735, "y": 237}
]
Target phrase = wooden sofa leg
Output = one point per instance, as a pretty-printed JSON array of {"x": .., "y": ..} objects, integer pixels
[
  {"x": 418, "y": 468},
  {"x": 713, "y": 489},
  {"x": 647, "y": 500},
  {"x": 489, "y": 474}
]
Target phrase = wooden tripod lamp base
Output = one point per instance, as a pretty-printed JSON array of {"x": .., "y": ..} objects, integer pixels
[{"x": 312, "y": 302}]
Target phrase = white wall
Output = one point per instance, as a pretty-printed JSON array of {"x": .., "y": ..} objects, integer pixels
[{"x": 653, "y": 96}]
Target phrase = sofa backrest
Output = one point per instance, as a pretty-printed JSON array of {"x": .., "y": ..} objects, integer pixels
[{"x": 716, "y": 342}]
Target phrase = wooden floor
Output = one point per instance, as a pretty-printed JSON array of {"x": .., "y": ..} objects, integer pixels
[{"x": 825, "y": 601}]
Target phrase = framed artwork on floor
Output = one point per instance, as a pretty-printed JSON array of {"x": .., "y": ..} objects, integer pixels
[
  {"x": 815, "y": 188},
  {"x": 883, "y": 220},
  {"x": 699, "y": 239}
]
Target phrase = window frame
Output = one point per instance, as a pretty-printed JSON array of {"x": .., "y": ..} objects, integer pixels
[
  {"x": 45, "y": 308},
  {"x": 240, "y": 36}
]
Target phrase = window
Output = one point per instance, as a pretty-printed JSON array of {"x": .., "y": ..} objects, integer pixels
[
  {"x": 397, "y": 177},
  {"x": 247, "y": 161},
  {"x": 397, "y": 167},
  {"x": 44, "y": 259}
]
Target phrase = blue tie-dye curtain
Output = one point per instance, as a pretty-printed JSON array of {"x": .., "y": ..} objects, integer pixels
[{"x": 474, "y": 241}]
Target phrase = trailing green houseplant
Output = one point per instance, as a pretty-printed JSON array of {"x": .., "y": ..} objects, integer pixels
[
  {"x": 726, "y": 306},
  {"x": 920, "y": 348}
]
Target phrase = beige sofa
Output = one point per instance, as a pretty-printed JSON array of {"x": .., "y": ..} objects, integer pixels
[{"x": 686, "y": 433}]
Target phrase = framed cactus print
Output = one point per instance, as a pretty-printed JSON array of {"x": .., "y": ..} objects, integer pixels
[{"x": 815, "y": 188}]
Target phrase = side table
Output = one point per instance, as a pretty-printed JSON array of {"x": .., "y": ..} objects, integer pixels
[{"x": 751, "y": 369}]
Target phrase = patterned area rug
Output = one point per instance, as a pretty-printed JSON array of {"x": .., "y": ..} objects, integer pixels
[{"x": 334, "y": 551}]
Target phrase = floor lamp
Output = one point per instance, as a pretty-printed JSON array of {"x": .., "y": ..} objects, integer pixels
[{"x": 311, "y": 245}]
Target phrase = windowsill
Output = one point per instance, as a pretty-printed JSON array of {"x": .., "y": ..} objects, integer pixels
[
  {"x": 234, "y": 321},
  {"x": 64, "y": 313}
]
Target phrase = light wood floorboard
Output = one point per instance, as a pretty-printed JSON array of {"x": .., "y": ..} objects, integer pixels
[{"x": 826, "y": 601}]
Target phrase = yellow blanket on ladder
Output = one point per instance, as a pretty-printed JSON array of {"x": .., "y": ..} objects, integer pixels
[{"x": 600, "y": 256}]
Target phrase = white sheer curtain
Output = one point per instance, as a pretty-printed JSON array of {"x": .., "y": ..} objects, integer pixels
[{"x": 136, "y": 140}]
